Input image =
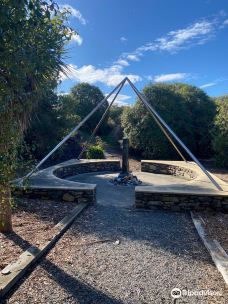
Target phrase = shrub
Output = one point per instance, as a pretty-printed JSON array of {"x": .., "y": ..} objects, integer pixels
[
  {"x": 82, "y": 99},
  {"x": 220, "y": 132},
  {"x": 186, "y": 109},
  {"x": 95, "y": 152}
]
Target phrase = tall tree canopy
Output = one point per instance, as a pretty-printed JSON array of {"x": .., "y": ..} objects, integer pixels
[
  {"x": 188, "y": 111},
  {"x": 220, "y": 132},
  {"x": 46, "y": 118},
  {"x": 200, "y": 110},
  {"x": 32, "y": 38},
  {"x": 82, "y": 99}
]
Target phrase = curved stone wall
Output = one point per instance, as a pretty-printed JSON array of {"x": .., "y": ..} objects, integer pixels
[
  {"x": 50, "y": 183},
  {"x": 86, "y": 166},
  {"x": 196, "y": 192},
  {"x": 168, "y": 169}
]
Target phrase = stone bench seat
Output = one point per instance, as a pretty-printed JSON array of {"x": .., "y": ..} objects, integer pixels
[
  {"x": 50, "y": 183},
  {"x": 196, "y": 192},
  {"x": 178, "y": 200}
]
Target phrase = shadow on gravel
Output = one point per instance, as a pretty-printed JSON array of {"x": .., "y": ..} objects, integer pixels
[
  {"x": 114, "y": 217},
  {"x": 77, "y": 290},
  {"x": 13, "y": 236},
  {"x": 157, "y": 229}
]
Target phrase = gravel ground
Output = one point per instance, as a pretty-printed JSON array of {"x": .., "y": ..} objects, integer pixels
[
  {"x": 116, "y": 254},
  {"x": 33, "y": 222},
  {"x": 217, "y": 227}
]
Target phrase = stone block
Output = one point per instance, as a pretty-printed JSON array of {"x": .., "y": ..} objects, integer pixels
[{"x": 67, "y": 197}]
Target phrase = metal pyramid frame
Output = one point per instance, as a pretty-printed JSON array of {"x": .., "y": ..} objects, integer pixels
[{"x": 169, "y": 133}]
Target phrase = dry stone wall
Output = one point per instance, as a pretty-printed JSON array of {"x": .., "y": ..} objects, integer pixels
[
  {"x": 159, "y": 168},
  {"x": 56, "y": 187},
  {"x": 86, "y": 167},
  {"x": 180, "y": 201}
]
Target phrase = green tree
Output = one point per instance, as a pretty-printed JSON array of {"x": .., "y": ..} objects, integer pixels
[
  {"x": 115, "y": 113},
  {"x": 68, "y": 112},
  {"x": 82, "y": 99},
  {"x": 46, "y": 128},
  {"x": 220, "y": 132},
  {"x": 175, "y": 103},
  {"x": 32, "y": 38},
  {"x": 200, "y": 110},
  {"x": 114, "y": 123}
]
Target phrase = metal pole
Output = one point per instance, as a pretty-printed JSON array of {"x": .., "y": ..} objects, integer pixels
[
  {"x": 100, "y": 122},
  {"x": 73, "y": 131},
  {"x": 125, "y": 157},
  {"x": 153, "y": 111}
]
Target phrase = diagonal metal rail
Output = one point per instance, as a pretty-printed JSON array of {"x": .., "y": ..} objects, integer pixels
[
  {"x": 72, "y": 132},
  {"x": 169, "y": 133},
  {"x": 100, "y": 122},
  {"x": 164, "y": 124},
  {"x": 162, "y": 128}
]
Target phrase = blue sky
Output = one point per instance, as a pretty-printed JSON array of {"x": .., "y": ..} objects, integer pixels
[{"x": 148, "y": 41}]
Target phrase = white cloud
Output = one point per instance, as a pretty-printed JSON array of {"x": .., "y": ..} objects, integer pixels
[
  {"x": 74, "y": 12},
  {"x": 133, "y": 57},
  {"x": 121, "y": 99},
  {"x": 207, "y": 85},
  {"x": 170, "y": 77},
  {"x": 77, "y": 38},
  {"x": 197, "y": 33},
  {"x": 225, "y": 22},
  {"x": 63, "y": 93},
  {"x": 122, "y": 62},
  {"x": 123, "y": 39},
  {"x": 150, "y": 78},
  {"x": 88, "y": 73},
  {"x": 214, "y": 82}
]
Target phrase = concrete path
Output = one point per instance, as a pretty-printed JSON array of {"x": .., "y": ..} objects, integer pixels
[{"x": 116, "y": 254}]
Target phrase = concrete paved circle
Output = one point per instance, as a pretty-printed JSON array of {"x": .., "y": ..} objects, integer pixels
[{"x": 122, "y": 196}]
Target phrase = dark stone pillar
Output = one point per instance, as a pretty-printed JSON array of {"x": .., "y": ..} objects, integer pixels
[{"x": 125, "y": 162}]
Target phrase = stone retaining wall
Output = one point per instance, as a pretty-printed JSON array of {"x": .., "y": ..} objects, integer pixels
[
  {"x": 181, "y": 201},
  {"x": 68, "y": 195},
  {"x": 86, "y": 167},
  {"x": 159, "y": 168},
  {"x": 54, "y": 186}
]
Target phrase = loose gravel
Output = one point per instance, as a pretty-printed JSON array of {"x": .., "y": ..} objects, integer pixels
[
  {"x": 33, "y": 224},
  {"x": 116, "y": 254},
  {"x": 217, "y": 226}
]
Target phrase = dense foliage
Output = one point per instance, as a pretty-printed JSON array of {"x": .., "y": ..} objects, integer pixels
[
  {"x": 220, "y": 132},
  {"x": 186, "y": 109},
  {"x": 59, "y": 115},
  {"x": 32, "y": 38},
  {"x": 115, "y": 115},
  {"x": 46, "y": 128},
  {"x": 82, "y": 99},
  {"x": 95, "y": 152}
]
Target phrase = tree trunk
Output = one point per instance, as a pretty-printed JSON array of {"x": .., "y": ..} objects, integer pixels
[{"x": 5, "y": 209}]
